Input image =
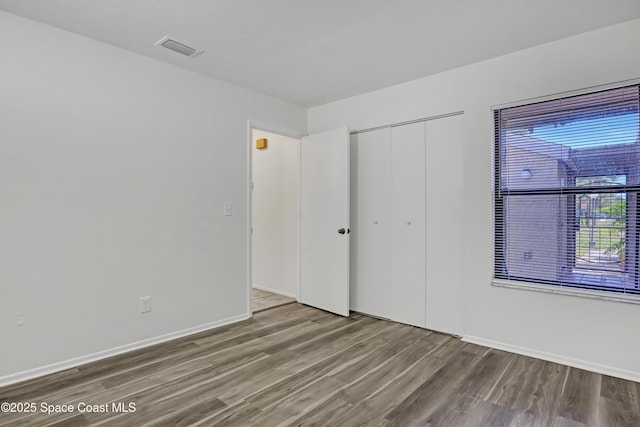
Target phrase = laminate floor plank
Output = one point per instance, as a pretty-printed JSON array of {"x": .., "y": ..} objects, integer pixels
[
  {"x": 259, "y": 320},
  {"x": 254, "y": 338},
  {"x": 580, "y": 397},
  {"x": 627, "y": 392},
  {"x": 619, "y": 402},
  {"x": 487, "y": 373},
  {"x": 239, "y": 414},
  {"x": 373, "y": 408},
  {"x": 408, "y": 345},
  {"x": 193, "y": 386},
  {"x": 171, "y": 380},
  {"x": 294, "y": 365},
  {"x": 468, "y": 396},
  {"x": 325, "y": 345},
  {"x": 364, "y": 378},
  {"x": 290, "y": 408},
  {"x": 30, "y": 385},
  {"x": 285, "y": 315},
  {"x": 559, "y": 421},
  {"x": 78, "y": 420},
  {"x": 419, "y": 405},
  {"x": 326, "y": 415},
  {"x": 476, "y": 413},
  {"x": 508, "y": 390},
  {"x": 246, "y": 377},
  {"x": 144, "y": 371},
  {"x": 173, "y": 411},
  {"x": 347, "y": 373},
  {"x": 615, "y": 413},
  {"x": 540, "y": 396},
  {"x": 317, "y": 368},
  {"x": 268, "y": 344},
  {"x": 485, "y": 413},
  {"x": 313, "y": 371},
  {"x": 225, "y": 351},
  {"x": 532, "y": 389},
  {"x": 379, "y": 376}
]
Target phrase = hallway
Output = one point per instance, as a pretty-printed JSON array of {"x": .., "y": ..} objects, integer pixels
[{"x": 262, "y": 300}]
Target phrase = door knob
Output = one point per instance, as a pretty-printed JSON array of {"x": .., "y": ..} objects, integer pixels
[{"x": 343, "y": 230}]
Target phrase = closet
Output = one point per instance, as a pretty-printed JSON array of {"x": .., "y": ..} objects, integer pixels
[{"x": 407, "y": 217}]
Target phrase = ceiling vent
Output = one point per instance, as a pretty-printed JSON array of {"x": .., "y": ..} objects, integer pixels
[{"x": 179, "y": 47}]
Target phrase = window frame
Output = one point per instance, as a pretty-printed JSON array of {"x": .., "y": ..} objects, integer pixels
[{"x": 500, "y": 215}]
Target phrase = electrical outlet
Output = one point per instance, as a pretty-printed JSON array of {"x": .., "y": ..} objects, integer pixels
[{"x": 145, "y": 304}]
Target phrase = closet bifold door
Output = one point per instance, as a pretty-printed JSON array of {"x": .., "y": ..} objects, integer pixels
[
  {"x": 408, "y": 210},
  {"x": 445, "y": 224},
  {"x": 370, "y": 282}
]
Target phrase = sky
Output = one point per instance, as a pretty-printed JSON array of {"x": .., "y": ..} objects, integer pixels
[{"x": 622, "y": 129}]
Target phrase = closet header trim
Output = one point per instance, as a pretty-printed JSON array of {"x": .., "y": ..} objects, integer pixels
[{"x": 425, "y": 119}]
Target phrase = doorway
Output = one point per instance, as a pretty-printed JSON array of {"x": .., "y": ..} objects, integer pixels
[
  {"x": 275, "y": 219},
  {"x": 298, "y": 216}
]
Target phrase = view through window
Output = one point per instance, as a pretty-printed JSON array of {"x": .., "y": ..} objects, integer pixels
[
  {"x": 600, "y": 226},
  {"x": 566, "y": 184}
]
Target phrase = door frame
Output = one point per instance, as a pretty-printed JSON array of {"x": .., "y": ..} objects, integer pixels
[{"x": 251, "y": 126}]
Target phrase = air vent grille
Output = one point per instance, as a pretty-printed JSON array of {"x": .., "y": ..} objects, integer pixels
[{"x": 178, "y": 47}]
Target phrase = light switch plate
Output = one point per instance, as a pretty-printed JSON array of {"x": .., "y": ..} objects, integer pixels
[{"x": 228, "y": 209}]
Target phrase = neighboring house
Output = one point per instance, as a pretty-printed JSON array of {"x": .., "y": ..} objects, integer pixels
[
  {"x": 535, "y": 234},
  {"x": 546, "y": 232}
]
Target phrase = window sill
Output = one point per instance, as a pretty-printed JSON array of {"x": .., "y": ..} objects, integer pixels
[{"x": 585, "y": 293}]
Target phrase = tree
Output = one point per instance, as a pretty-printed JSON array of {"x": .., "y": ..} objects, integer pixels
[{"x": 617, "y": 210}]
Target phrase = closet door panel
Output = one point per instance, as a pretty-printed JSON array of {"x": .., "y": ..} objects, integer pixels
[
  {"x": 354, "y": 248},
  {"x": 445, "y": 225},
  {"x": 408, "y": 223},
  {"x": 371, "y": 216}
]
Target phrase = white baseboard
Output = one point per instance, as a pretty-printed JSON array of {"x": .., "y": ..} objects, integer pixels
[
  {"x": 83, "y": 360},
  {"x": 556, "y": 358},
  {"x": 276, "y": 291}
]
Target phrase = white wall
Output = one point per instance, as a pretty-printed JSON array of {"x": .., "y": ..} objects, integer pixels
[
  {"x": 113, "y": 173},
  {"x": 276, "y": 214},
  {"x": 591, "y": 333}
]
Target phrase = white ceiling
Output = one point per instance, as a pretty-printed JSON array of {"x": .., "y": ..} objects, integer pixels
[{"x": 311, "y": 52}]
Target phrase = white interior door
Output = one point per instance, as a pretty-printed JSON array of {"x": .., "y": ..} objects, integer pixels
[{"x": 324, "y": 221}]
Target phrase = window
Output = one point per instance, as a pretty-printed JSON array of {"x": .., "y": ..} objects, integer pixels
[{"x": 567, "y": 178}]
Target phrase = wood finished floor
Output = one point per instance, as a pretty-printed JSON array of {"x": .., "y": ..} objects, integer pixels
[
  {"x": 294, "y": 365},
  {"x": 263, "y": 300}
]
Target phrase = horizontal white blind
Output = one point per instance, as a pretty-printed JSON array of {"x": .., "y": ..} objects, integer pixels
[{"x": 567, "y": 177}]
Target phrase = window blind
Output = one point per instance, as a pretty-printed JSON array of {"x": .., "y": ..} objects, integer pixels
[{"x": 567, "y": 178}]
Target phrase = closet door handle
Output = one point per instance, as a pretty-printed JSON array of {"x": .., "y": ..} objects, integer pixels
[{"x": 342, "y": 230}]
